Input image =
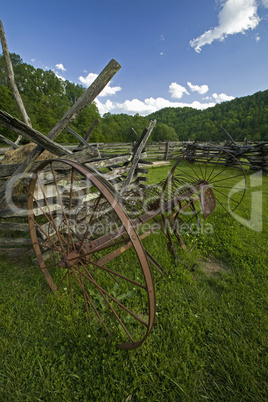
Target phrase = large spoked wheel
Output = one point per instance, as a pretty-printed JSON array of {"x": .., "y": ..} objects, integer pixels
[
  {"x": 86, "y": 246},
  {"x": 194, "y": 188}
]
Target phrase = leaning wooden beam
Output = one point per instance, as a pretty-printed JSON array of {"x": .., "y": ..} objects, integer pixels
[
  {"x": 81, "y": 139},
  {"x": 11, "y": 78},
  {"x": 7, "y": 141},
  {"x": 137, "y": 154},
  {"x": 85, "y": 99},
  {"x": 88, "y": 134},
  {"x": 31, "y": 134},
  {"x": 228, "y": 135}
]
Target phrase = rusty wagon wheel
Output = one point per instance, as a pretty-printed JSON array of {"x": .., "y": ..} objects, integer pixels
[
  {"x": 80, "y": 233},
  {"x": 194, "y": 188}
]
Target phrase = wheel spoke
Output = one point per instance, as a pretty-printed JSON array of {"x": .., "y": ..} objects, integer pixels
[
  {"x": 229, "y": 188},
  {"x": 90, "y": 221},
  {"x": 119, "y": 275},
  {"x": 206, "y": 165},
  {"x": 50, "y": 213},
  {"x": 222, "y": 205},
  {"x": 49, "y": 238},
  {"x": 104, "y": 292},
  {"x": 185, "y": 159},
  {"x": 227, "y": 178},
  {"x": 62, "y": 206},
  {"x": 186, "y": 174},
  {"x": 220, "y": 192},
  {"x": 91, "y": 303},
  {"x": 211, "y": 179},
  {"x": 214, "y": 167},
  {"x": 62, "y": 280},
  {"x": 201, "y": 171},
  {"x": 70, "y": 211}
]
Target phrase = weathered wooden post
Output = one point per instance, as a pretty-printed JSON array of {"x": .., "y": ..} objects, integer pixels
[
  {"x": 167, "y": 151},
  {"x": 11, "y": 78},
  {"x": 137, "y": 153}
]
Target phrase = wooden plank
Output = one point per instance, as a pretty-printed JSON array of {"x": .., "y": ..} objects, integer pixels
[
  {"x": 109, "y": 162},
  {"x": 11, "y": 242},
  {"x": 7, "y": 141},
  {"x": 81, "y": 139},
  {"x": 13, "y": 226},
  {"x": 86, "y": 98},
  {"x": 11, "y": 252},
  {"x": 3, "y": 150},
  {"x": 137, "y": 150},
  {"x": 31, "y": 134}
]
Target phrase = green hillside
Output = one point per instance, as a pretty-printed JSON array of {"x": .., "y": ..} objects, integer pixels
[
  {"x": 47, "y": 98},
  {"x": 241, "y": 117}
]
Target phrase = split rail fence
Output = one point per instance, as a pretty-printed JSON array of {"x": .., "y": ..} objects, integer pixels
[
  {"x": 253, "y": 157},
  {"x": 161, "y": 151}
]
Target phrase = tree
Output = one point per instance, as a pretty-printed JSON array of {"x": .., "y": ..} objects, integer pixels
[{"x": 162, "y": 132}]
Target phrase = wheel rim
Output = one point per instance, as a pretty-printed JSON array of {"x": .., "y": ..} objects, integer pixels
[
  {"x": 79, "y": 230},
  {"x": 221, "y": 172}
]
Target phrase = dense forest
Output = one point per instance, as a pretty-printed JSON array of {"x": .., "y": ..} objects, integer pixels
[
  {"x": 46, "y": 98},
  {"x": 241, "y": 117}
]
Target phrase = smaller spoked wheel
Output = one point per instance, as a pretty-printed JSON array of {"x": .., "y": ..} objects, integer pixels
[
  {"x": 87, "y": 247},
  {"x": 195, "y": 187}
]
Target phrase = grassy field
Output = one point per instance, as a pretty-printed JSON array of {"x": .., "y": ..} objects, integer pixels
[{"x": 209, "y": 342}]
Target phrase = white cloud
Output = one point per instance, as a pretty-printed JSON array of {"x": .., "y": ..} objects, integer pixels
[
  {"x": 265, "y": 3},
  {"x": 202, "y": 89},
  {"x": 222, "y": 97},
  {"x": 147, "y": 106},
  {"x": 88, "y": 79},
  {"x": 236, "y": 16},
  {"x": 150, "y": 105},
  {"x": 177, "y": 90},
  {"x": 60, "y": 67},
  {"x": 106, "y": 107},
  {"x": 107, "y": 91}
]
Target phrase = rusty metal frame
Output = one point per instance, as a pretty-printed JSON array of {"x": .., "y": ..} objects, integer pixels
[{"x": 168, "y": 203}]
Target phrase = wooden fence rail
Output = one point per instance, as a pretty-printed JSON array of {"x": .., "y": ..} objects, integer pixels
[
  {"x": 255, "y": 156},
  {"x": 155, "y": 150}
]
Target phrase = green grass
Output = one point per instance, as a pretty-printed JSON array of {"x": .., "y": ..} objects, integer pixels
[{"x": 209, "y": 342}]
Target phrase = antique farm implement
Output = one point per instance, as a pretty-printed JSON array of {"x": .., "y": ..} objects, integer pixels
[{"x": 87, "y": 235}]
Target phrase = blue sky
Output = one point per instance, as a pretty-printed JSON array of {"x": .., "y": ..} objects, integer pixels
[{"x": 173, "y": 52}]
